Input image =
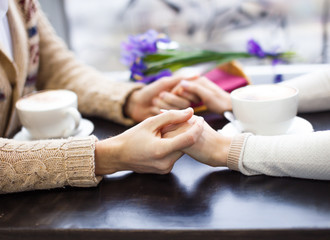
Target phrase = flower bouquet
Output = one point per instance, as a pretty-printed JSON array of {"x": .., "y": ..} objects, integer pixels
[{"x": 153, "y": 55}]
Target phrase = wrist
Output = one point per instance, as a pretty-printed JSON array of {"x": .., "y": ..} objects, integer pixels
[
  {"x": 106, "y": 156},
  {"x": 227, "y": 104},
  {"x": 130, "y": 104},
  {"x": 221, "y": 152}
]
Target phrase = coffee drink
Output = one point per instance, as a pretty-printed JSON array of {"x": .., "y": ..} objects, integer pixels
[
  {"x": 265, "y": 109},
  {"x": 44, "y": 100},
  {"x": 49, "y": 114},
  {"x": 265, "y": 92}
]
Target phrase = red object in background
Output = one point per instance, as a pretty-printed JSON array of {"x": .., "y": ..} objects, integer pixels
[
  {"x": 228, "y": 77},
  {"x": 226, "y": 81}
]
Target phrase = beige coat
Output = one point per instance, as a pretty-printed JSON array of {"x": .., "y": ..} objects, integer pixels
[{"x": 42, "y": 61}]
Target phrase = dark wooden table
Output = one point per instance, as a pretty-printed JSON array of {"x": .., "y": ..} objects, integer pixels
[{"x": 193, "y": 202}]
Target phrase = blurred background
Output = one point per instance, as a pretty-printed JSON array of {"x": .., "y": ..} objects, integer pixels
[{"x": 95, "y": 29}]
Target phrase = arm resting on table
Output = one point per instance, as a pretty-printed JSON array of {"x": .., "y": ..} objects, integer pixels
[
  {"x": 301, "y": 156},
  {"x": 47, "y": 164}
]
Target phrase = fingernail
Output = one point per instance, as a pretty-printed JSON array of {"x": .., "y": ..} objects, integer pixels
[
  {"x": 184, "y": 83},
  {"x": 163, "y": 110}
]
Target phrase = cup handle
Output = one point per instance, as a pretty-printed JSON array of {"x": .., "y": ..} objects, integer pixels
[{"x": 75, "y": 114}]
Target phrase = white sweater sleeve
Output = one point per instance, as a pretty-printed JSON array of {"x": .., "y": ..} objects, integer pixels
[
  {"x": 314, "y": 91},
  {"x": 302, "y": 156}
]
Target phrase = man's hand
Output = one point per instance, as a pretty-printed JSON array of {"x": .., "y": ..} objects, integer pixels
[
  {"x": 147, "y": 101},
  {"x": 198, "y": 90}
]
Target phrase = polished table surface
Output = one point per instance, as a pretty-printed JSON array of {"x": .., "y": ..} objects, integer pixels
[{"x": 195, "y": 201}]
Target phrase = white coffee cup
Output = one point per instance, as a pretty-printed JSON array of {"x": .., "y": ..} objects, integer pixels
[
  {"x": 265, "y": 109},
  {"x": 49, "y": 113}
]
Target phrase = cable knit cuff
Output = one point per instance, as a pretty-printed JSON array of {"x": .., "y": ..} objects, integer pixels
[
  {"x": 235, "y": 151},
  {"x": 79, "y": 162}
]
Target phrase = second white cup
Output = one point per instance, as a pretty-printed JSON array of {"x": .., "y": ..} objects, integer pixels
[{"x": 265, "y": 109}]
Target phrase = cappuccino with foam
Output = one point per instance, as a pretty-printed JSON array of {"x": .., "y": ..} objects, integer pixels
[
  {"x": 265, "y": 109},
  {"x": 45, "y": 100},
  {"x": 49, "y": 114},
  {"x": 264, "y": 92}
]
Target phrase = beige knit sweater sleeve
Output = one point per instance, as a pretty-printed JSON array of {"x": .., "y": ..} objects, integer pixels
[
  {"x": 97, "y": 95},
  {"x": 303, "y": 156},
  {"x": 47, "y": 164}
]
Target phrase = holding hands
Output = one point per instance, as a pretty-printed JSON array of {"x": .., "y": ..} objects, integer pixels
[
  {"x": 211, "y": 148},
  {"x": 196, "y": 90},
  {"x": 154, "y": 145},
  {"x": 148, "y": 101},
  {"x": 144, "y": 149}
]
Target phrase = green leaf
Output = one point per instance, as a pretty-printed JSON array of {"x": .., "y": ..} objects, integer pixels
[
  {"x": 158, "y": 57},
  {"x": 184, "y": 59}
]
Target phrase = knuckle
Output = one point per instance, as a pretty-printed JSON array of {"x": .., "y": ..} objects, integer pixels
[
  {"x": 190, "y": 139},
  {"x": 158, "y": 153}
]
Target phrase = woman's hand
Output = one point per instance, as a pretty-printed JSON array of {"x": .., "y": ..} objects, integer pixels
[
  {"x": 143, "y": 149},
  {"x": 211, "y": 148},
  {"x": 203, "y": 90},
  {"x": 145, "y": 102}
]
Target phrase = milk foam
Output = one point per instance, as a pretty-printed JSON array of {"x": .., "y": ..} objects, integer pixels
[
  {"x": 264, "y": 92},
  {"x": 45, "y": 100}
]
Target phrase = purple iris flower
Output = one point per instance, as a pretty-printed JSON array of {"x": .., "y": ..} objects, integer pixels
[
  {"x": 255, "y": 49},
  {"x": 278, "y": 78},
  {"x": 140, "y": 45},
  {"x": 136, "y": 48},
  {"x": 149, "y": 79},
  {"x": 137, "y": 69},
  {"x": 138, "y": 65},
  {"x": 277, "y": 60}
]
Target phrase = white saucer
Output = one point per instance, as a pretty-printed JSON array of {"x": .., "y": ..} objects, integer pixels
[
  {"x": 298, "y": 126},
  {"x": 85, "y": 128}
]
